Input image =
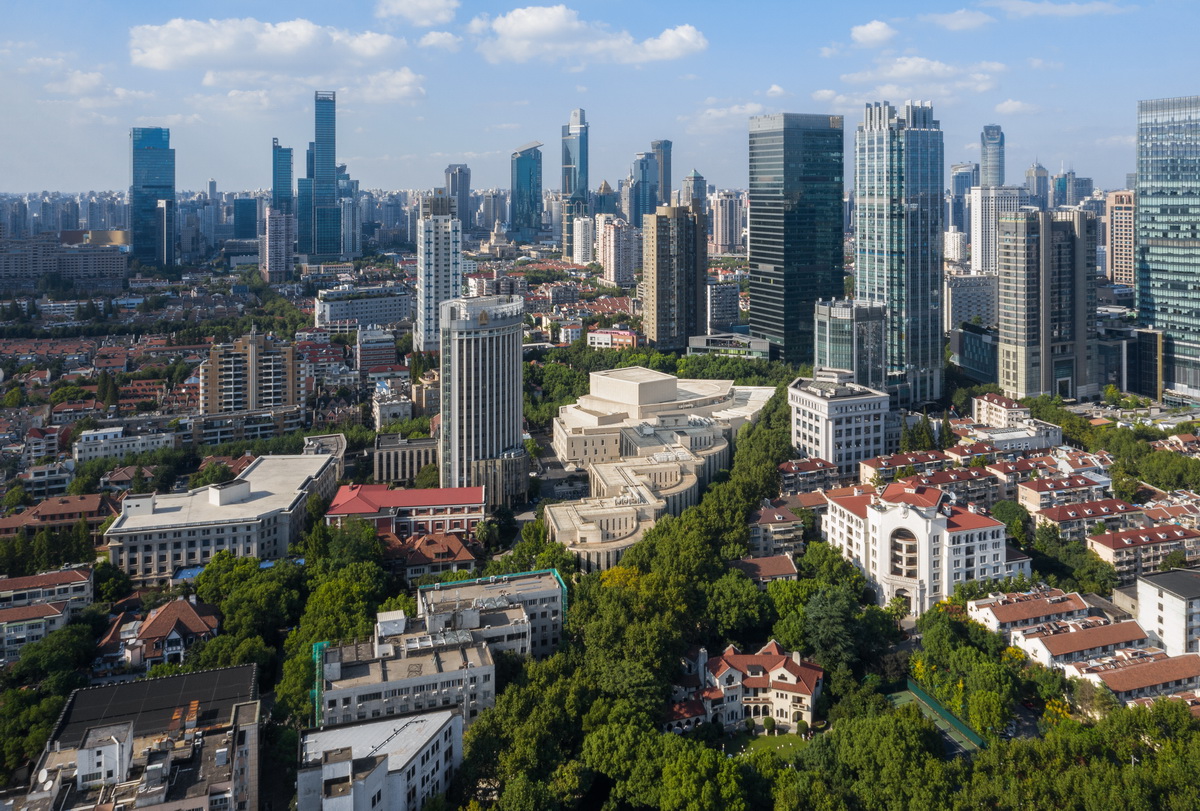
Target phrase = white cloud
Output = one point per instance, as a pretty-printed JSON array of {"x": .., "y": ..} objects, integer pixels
[
  {"x": 775, "y": 91},
  {"x": 171, "y": 120},
  {"x": 1043, "y": 64},
  {"x": 831, "y": 50},
  {"x": 961, "y": 20},
  {"x": 235, "y": 102},
  {"x": 76, "y": 83},
  {"x": 824, "y": 95},
  {"x": 904, "y": 68},
  {"x": 440, "y": 39},
  {"x": 715, "y": 119},
  {"x": 418, "y": 12},
  {"x": 248, "y": 43},
  {"x": 1014, "y": 107},
  {"x": 872, "y": 34},
  {"x": 114, "y": 97},
  {"x": 389, "y": 86},
  {"x": 556, "y": 32},
  {"x": 1117, "y": 140},
  {"x": 1046, "y": 8}
]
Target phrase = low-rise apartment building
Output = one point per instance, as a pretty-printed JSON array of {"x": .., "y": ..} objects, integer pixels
[
  {"x": 398, "y": 460},
  {"x": 103, "y": 443},
  {"x": 806, "y": 476},
  {"x": 886, "y": 468},
  {"x": 410, "y": 512},
  {"x": 73, "y": 585},
  {"x": 1141, "y": 551},
  {"x": 1005, "y": 612},
  {"x": 260, "y": 514},
  {"x": 1076, "y": 521},
  {"x": 1057, "y": 644},
  {"x": 1135, "y": 673},
  {"x": 28, "y": 623},
  {"x": 1041, "y": 494}
]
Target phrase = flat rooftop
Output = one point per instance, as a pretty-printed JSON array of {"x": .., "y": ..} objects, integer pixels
[
  {"x": 275, "y": 483},
  {"x": 150, "y": 704},
  {"x": 400, "y": 738}
]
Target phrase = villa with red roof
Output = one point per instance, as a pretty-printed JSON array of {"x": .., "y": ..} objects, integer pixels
[
  {"x": 729, "y": 688},
  {"x": 912, "y": 542},
  {"x": 410, "y": 512}
]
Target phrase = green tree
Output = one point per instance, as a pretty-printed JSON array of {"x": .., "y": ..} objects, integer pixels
[
  {"x": 16, "y": 496},
  {"x": 427, "y": 477},
  {"x": 214, "y": 473},
  {"x": 1176, "y": 559}
]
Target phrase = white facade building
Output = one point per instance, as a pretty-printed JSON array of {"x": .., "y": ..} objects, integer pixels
[
  {"x": 970, "y": 296},
  {"x": 482, "y": 419},
  {"x": 277, "y": 247},
  {"x": 840, "y": 422},
  {"x": 101, "y": 443},
  {"x": 912, "y": 543},
  {"x": 380, "y": 304},
  {"x": 583, "y": 248},
  {"x": 394, "y": 763},
  {"x": 258, "y": 514},
  {"x": 987, "y": 204},
  {"x": 727, "y": 212},
  {"x": 1168, "y": 608},
  {"x": 439, "y": 271},
  {"x": 617, "y": 249}
]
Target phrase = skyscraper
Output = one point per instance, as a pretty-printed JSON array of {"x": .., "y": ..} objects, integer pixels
[
  {"x": 988, "y": 203},
  {"x": 694, "y": 188},
  {"x": 963, "y": 177},
  {"x": 439, "y": 266},
  {"x": 641, "y": 189},
  {"x": 276, "y": 247},
  {"x": 1119, "y": 237},
  {"x": 526, "y": 219},
  {"x": 850, "y": 336},
  {"x": 479, "y": 443},
  {"x": 1047, "y": 307},
  {"x": 795, "y": 226},
  {"x": 1168, "y": 228},
  {"x": 674, "y": 274},
  {"x": 282, "y": 196},
  {"x": 991, "y": 156},
  {"x": 616, "y": 249},
  {"x": 662, "y": 154},
  {"x": 256, "y": 371},
  {"x": 318, "y": 214},
  {"x": 574, "y": 175},
  {"x": 1037, "y": 186},
  {"x": 245, "y": 218},
  {"x": 458, "y": 186},
  {"x": 898, "y": 218},
  {"x": 152, "y": 178},
  {"x": 584, "y": 241},
  {"x": 726, "y": 230}
]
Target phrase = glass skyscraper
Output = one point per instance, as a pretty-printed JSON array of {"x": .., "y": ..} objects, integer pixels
[
  {"x": 795, "y": 225},
  {"x": 574, "y": 175},
  {"x": 1167, "y": 234},
  {"x": 898, "y": 224},
  {"x": 662, "y": 153},
  {"x": 991, "y": 156},
  {"x": 318, "y": 212},
  {"x": 152, "y": 178},
  {"x": 526, "y": 218},
  {"x": 963, "y": 176},
  {"x": 281, "y": 178}
]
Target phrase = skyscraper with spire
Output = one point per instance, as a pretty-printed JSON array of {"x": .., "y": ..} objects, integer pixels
[
  {"x": 898, "y": 219},
  {"x": 991, "y": 156},
  {"x": 574, "y": 175}
]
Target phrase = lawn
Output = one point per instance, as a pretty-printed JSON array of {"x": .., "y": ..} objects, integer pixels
[{"x": 782, "y": 745}]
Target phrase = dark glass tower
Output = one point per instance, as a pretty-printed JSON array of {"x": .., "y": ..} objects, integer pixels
[
  {"x": 898, "y": 224},
  {"x": 327, "y": 213},
  {"x": 991, "y": 156},
  {"x": 1167, "y": 234},
  {"x": 281, "y": 178},
  {"x": 526, "y": 218},
  {"x": 795, "y": 220},
  {"x": 245, "y": 218},
  {"x": 642, "y": 187},
  {"x": 458, "y": 186},
  {"x": 574, "y": 176},
  {"x": 152, "y": 178},
  {"x": 962, "y": 177},
  {"x": 662, "y": 153}
]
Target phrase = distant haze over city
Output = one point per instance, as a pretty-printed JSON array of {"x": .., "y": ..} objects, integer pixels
[{"x": 425, "y": 83}]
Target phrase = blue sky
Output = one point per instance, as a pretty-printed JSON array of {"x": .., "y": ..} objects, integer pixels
[{"x": 423, "y": 83}]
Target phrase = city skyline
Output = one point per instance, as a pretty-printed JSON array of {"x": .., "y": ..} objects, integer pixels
[{"x": 425, "y": 84}]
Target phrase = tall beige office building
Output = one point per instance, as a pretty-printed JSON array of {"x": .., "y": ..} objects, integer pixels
[
  {"x": 1119, "y": 241},
  {"x": 674, "y": 274},
  {"x": 256, "y": 372},
  {"x": 480, "y": 439},
  {"x": 1047, "y": 313}
]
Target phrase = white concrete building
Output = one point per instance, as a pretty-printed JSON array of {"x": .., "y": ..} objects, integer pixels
[
  {"x": 967, "y": 297},
  {"x": 911, "y": 543},
  {"x": 1004, "y": 613},
  {"x": 618, "y": 249},
  {"x": 276, "y": 249},
  {"x": 1168, "y": 607},
  {"x": 1057, "y": 644},
  {"x": 395, "y": 763},
  {"x": 537, "y": 601},
  {"x": 101, "y": 443},
  {"x": 998, "y": 411},
  {"x": 439, "y": 270},
  {"x": 987, "y": 204},
  {"x": 583, "y": 248},
  {"x": 838, "y": 421},
  {"x": 259, "y": 514},
  {"x": 482, "y": 418},
  {"x": 378, "y": 304}
]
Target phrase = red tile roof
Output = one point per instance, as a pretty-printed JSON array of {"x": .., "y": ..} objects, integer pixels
[
  {"x": 962, "y": 520},
  {"x": 914, "y": 495},
  {"x": 63, "y": 577},
  {"x": 423, "y": 550},
  {"x": 1144, "y": 536},
  {"x": 1089, "y": 510},
  {"x": 368, "y": 499},
  {"x": 1097, "y": 636},
  {"x": 196, "y": 619},
  {"x": 773, "y": 566},
  {"x": 32, "y": 612}
]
